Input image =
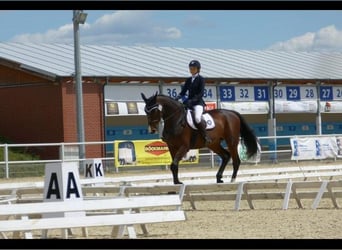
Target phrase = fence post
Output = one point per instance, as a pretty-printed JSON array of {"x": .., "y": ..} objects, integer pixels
[
  {"x": 6, "y": 160},
  {"x": 62, "y": 151}
]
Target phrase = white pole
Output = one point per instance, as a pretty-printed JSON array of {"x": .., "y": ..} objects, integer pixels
[{"x": 79, "y": 91}]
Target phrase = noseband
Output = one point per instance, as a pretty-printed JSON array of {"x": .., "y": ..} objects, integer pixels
[{"x": 149, "y": 110}]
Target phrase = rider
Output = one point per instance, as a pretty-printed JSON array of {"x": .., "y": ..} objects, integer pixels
[{"x": 195, "y": 85}]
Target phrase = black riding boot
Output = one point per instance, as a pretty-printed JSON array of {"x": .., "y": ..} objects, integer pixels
[{"x": 201, "y": 128}]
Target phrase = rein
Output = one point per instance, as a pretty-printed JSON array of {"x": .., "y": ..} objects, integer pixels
[
  {"x": 170, "y": 116},
  {"x": 156, "y": 106}
]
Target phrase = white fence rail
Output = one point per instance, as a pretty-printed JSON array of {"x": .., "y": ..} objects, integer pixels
[{"x": 267, "y": 152}]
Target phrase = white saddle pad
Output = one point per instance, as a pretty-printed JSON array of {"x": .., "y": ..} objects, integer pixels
[{"x": 208, "y": 119}]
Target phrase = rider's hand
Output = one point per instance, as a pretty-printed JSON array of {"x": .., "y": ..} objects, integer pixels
[
  {"x": 189, "y": 103},
  {"x": 178, "y": 97}
]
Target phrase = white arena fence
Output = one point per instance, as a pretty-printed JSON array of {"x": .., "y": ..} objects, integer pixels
[{"x": 270, "y": 152}]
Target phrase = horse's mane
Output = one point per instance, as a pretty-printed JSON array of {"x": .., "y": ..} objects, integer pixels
[{"x": 179, "y": 105}]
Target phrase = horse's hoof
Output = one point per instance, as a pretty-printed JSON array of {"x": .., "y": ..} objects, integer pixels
[
  {"x": 178, "y": 182},
  {"x": 219, "y": 181},
  {"x": 172, "y": 192}
]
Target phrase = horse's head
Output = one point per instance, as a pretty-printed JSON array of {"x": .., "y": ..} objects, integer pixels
[{"x": 153, "y": 112}]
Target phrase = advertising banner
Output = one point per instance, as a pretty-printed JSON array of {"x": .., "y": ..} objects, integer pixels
[
  {"x": 210, "y": 105},
  {"x": 331, "y": 107},
  {"x": 315, "y": 148},
  {"x": 113, "y": 108},
  {"x": 296, "y": 107},
  {"x": 148, "y": 153},
  {"x": 247, "y": 107},
  {"x": 339, "y": 146}
]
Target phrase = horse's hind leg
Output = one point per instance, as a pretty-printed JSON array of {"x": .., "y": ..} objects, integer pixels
[
  {"x": 225, "y": 156},
  {"x": 236, "y": 162}
]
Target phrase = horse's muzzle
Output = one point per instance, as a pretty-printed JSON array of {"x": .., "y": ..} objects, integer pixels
[{"x": 152, "y": 130}]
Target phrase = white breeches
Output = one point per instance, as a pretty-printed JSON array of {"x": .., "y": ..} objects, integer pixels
[{"x": 198, "y": 109}]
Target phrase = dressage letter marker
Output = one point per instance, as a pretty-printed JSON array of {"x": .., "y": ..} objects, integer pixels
[
  {"x": 94, "y": 169},
  {"x": 62, "y": 183},
  {"x": 53, "y": 188}
]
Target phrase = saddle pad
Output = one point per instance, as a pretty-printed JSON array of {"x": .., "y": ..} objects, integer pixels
[{"x": 208, "y": 119}]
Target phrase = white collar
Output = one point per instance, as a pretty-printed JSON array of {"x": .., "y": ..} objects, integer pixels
[{"x": 194, "y": 76}]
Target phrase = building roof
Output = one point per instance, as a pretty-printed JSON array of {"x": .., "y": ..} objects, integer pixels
[{"x": 169, "y": 62}]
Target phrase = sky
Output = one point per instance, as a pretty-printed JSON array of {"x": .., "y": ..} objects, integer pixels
[{"x": 280, "y": 30}]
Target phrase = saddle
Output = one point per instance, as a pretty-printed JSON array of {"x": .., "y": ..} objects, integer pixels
[{"x": 210, "y": 123}]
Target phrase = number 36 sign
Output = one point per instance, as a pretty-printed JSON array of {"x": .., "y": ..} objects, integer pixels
[{"x": 173, "y": 91}]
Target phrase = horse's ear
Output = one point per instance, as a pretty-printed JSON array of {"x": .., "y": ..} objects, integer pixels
[
  {"x": 143, "y": 97},
  {"x": 156, "y": 93}
]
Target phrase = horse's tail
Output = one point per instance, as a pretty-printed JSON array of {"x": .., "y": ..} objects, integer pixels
[{"x": 248, "y": 137}]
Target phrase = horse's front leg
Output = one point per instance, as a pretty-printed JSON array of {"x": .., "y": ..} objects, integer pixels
[
  {"x": 176, "y": 157},
  {"x": 174, "y": 170}
]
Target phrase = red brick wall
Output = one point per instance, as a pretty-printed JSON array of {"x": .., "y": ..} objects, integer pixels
[
  {"x": 32, "y": 114},
  {"x": 39, "y": 111},
  {"x": 93, "y": 116}
]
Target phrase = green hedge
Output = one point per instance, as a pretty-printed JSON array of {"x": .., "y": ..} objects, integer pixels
[{"x": 20, "y": 170}]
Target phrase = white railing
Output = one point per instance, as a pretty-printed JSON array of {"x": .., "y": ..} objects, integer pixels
[
  {"x": 6, "y": 162},
  {"x": 62, "y": 146}
]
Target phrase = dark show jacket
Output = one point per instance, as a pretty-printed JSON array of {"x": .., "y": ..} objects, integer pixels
[{"x": 195, "y": 88}]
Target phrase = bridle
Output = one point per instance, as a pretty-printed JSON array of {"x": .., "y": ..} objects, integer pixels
[
  {"x": 149, "y": 110},
  {"x": 175, "y": 128},
  {"x": 156, "y": 106}
]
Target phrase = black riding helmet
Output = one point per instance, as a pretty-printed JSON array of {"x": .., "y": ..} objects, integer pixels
[{"x": 195, "y": 63}]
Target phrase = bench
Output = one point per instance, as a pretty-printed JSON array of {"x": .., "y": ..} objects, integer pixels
[
  {"x": 240, "y": 191},
  {"x": 120, "y": 212},
  {"x": 244, "y": 175},
  {"x": 253, "y": 191}
]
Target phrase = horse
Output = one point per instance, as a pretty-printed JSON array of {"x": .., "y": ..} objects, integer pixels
[{"x": 180, "y": 137}]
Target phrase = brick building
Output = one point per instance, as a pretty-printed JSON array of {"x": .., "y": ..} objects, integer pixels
[
  {"x": 39, "y": 109},
  {"x": 38, "y": 99}
]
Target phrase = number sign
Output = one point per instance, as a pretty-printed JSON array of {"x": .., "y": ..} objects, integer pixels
[
  {"x": 308, "y": 93},
  {"x": 244, "y": 93},
  {"x": 295, "y": 93},
  {"x": 227, "y": 93},
  {"x": 208, "y": 95},
  {"x": 330, "y": 93},
  {"x": 326, "y": 93}
]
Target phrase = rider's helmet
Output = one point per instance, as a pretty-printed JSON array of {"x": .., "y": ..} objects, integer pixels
[{"x": 195, "y": 63}]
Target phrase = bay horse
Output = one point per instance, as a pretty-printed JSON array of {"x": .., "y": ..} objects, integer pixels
[{"x": 180, "y": 137}]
